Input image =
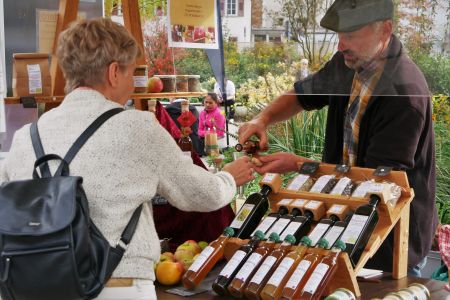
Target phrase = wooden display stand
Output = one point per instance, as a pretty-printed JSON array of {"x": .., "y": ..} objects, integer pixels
[{"x": 396, "y": 218}]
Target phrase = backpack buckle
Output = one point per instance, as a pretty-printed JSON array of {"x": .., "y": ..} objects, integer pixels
[{"x": 122, "y": 245}]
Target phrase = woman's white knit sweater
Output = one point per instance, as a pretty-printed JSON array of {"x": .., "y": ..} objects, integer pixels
[{"x": 125, "y": 163}]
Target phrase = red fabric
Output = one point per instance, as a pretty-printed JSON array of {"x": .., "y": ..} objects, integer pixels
[
  {"x": 444, "y": 244},
  {"x": 178, "y": 225}
]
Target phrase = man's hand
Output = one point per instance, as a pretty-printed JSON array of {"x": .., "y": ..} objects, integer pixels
[
  {"x": 253, "y": 127},
  {"x": 280, "y": 162}
]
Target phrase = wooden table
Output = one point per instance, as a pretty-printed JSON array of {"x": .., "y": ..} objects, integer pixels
[{"x": 369, "y": 290}]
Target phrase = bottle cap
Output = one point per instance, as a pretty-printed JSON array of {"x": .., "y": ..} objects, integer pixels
[
  {"x": 322, "y": 243},
  {"x": 259, "y": 235},
  {"x": 228, "y": 231},
  {"x": 274, "y": 237},
  {"x": 340, "y": 245},
  {"x": 290, "y": 239},
  {"x": 306, "y": 241},
  {"x": 374, "y": 199}
]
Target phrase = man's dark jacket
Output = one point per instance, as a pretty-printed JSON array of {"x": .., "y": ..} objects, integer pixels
[{"x": 396, "y": 130}]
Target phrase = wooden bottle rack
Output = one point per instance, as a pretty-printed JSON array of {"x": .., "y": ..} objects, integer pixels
[{"x": 390, "y": 218}]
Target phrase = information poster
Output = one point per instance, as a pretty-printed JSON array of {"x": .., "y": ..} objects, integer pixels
[
  {"x": 46, "y": 27},
  {"x": 192, "y": 24}
]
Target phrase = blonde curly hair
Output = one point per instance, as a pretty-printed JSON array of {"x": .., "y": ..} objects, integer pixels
[{"x": 88, "y": 47}]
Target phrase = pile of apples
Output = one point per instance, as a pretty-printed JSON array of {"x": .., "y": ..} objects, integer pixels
[{"x": 171, "y": 266}]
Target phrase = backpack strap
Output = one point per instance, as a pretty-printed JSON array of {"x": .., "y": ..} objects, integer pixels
[
  {"x": 129, "y": 230},
  {"x": 39, "y": 150}
]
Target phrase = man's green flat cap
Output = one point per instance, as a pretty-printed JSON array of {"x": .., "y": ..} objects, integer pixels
[{"x": 351, "y": 15}]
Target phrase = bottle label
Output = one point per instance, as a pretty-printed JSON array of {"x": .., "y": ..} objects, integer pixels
[
  {"x": 34, "y": 79},
  {"x": 281, "y": 271},
  {"x": 362, "y": 189},
  {"x": 233, "y": 263},
  {"x": 340, "y": 186},
  {"x": 333, "y": 235},
  {"x": 299, "y": 203},
  {"x": 312, "y": 205},
  {"x": 336, "y": 209},
  {"x": 249, "y": 266},
  {"x": 201, "y": 259},
  {"x": 298, "y": 274},
  {"x": 263, "y": 270},
  {"x": 242, "y": 215},
  {"x": 265, "y": 224},
  {"x": 354, "y": 229},
  {"x": 279, "y": 226},
  {"x": 298, "y": 182},
  {"x": 268, "y": 178},
  {"x": 318, "y": 232},
  {"x": 316, "y": 277},
  {"x": 284, "y": 202},
  {"x": 321, "y": 183},
  {"x": 291, "y": 229},
  {"x": 140, "y": 81}
]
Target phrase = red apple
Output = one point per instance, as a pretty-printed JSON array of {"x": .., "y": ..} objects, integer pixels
[{"x": 155, "y": 85}]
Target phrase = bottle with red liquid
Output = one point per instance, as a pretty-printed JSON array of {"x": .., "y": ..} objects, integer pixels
[
  {"x": 237, "y": 285},
  {"x": 322, "y": 274},
  {"x": 206, "y": 260}
]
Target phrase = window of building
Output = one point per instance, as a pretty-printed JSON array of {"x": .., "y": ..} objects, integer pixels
[
  {"x": 260, "y": 37},
  {"x": 233, "y": 39},
  {"x": 231, "y": 7},
  {"x": 275, "y": 39}
]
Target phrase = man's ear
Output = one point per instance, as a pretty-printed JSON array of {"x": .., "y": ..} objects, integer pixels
[
  {"x": 112, "y": 74},
  {"x": 387, "y": 29}
]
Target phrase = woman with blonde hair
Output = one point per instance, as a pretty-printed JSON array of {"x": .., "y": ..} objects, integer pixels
[{"x": 127, "y": 160}]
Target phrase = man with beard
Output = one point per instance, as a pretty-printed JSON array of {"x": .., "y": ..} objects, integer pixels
[{"x": 379, "y": 114}]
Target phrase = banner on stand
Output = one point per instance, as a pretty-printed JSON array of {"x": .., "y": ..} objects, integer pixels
[{"x": 192, "y": 24}]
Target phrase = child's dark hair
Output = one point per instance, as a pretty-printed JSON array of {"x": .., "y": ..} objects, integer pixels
[{"x": 213, "y": 97}]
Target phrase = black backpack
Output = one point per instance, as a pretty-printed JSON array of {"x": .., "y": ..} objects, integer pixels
[{"x": 49, "y": 247}]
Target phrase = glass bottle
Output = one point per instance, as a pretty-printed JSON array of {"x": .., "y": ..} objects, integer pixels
[
  {"x": 297, "y": 280},
  {"x": 336, "y": 231},
  {"x": 250, "y": 147},
  {"x": 292, "y": 259},
  {"x": 299, "y": 225},
  {"x": 360, "y": 228},
  {"x": 185, "y": 144},
  {"x": 237, "y": 285},
  {"x": 271, "y": 263},
  {"x": 206, "y": 260},
  {"x": 322, "y": 274},
  {"x": 227, "y": 274},
  {"x": 251, "y": 213},
  {"x": 270, "y": 220},
  {"x": 321, "y": 229}
]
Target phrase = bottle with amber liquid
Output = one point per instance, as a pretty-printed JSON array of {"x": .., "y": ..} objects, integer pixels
[
  {"x": 237, "y": 285},
  {"x": 278, "y": 275},
  {"x": 251, "y": 213},
  {"x": 297, "y": 280},
  {"x": 261, "y": 276},
  {"x": 322, "y": 274},
  {"x": 249, "y": 147},
  {"x": 220, "y": 285},
  {"x": 360, "y": 228},
  {"x": 206, "y": 260}
]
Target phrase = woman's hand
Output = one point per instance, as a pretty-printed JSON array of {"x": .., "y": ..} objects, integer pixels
[
  {"x": 280, "y": 162},
  {"x": 253, "y": 127},
  {"x": 241, "y": 169}
]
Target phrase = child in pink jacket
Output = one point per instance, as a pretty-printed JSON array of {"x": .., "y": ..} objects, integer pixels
[{"x": 211, "y": 117}]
